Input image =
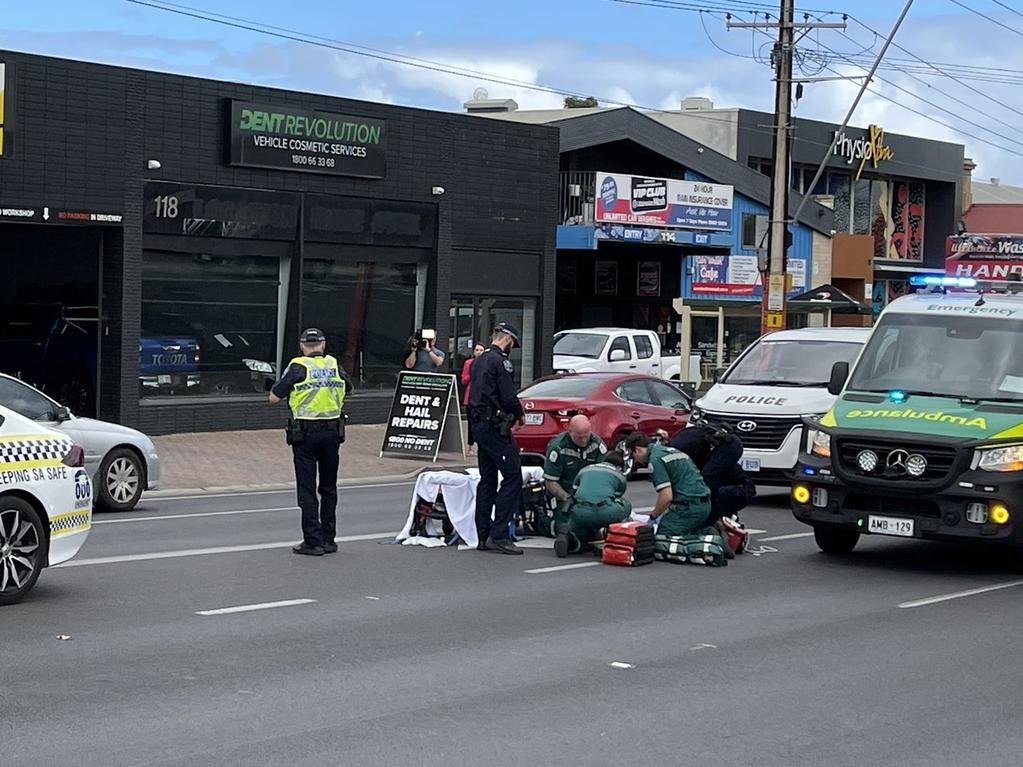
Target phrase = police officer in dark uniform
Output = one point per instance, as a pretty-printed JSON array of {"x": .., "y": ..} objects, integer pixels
[
  {"x": 315, "y": 385},
  {"x": 716, "y": 451},
  {"x": 493, "y": 408}
]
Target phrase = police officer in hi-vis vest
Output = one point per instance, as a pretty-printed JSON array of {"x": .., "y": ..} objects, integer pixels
[{"x": 314, "y": 385}]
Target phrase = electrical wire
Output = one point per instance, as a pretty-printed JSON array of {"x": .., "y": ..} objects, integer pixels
[
  {"x": 992, "y": 19},
  {"x": 1008, "y": 8}
]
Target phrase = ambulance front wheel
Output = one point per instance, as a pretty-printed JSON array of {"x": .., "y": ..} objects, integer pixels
[{"x": 832, "y": 539}]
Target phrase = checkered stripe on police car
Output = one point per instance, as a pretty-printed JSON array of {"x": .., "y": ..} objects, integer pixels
[
  {"x": 70, "y": 523},
  {"x": 27, "y": 449}
]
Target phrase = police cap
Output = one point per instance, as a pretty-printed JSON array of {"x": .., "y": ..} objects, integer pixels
[
  {"x": 312, "y": 336},
  {"x": 508, "y": 329}
]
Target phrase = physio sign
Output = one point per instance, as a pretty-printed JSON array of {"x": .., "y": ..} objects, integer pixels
[
  {"x": 285, "y": 138},
  {"x": 623, "y": 199}
]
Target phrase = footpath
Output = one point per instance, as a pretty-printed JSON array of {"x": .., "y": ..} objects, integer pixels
[{"x": 260, "y": 460}]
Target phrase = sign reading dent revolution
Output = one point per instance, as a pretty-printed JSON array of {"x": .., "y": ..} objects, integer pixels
[
  {"x": 424, "y": 418},
  {"x": 285, "y": 138}
]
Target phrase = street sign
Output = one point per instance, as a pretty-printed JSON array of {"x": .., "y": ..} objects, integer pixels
[
  {"x": 775, "y": 320},
  {"x": 775, "y": 292},
  {"x": 425, "y": 417}
]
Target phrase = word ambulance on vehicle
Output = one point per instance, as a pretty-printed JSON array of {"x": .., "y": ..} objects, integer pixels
[
  {"x": 45, "y": 502},
  {"x": 925, "y": 439},
  {"x": 764, "y": 395}
]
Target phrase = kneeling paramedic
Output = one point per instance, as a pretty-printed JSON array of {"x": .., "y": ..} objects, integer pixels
[
  {"x": 716, "y": 453},
  {"x": 566, "y": 455},
  {"x": 314, "y": 385},
  {"x": 683, "y": 498},
  {"x": 493, "y": 408},
  {"x": 596, "y": 503}
]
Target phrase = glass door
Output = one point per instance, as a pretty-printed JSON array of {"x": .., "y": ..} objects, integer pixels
[{"x": 473, "y": 320}]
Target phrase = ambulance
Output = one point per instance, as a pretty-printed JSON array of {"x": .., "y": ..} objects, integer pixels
[
  {"x": 45, "y": 502},
  {"x": 925, "y": 439}
]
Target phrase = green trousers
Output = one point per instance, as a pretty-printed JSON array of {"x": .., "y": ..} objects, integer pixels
[
  {"x": 585, "y": 519},
  {"x": 547, "y": 526},
  {"x": 684, "y": 518}
]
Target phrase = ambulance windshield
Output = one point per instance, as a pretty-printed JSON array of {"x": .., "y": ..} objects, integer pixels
[{"x": 968, "y": 358}]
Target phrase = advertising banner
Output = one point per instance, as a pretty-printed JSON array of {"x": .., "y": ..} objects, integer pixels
[
  {"x": 984, "y": 256},
  {"x": 659, "y": 202},
  {"x": 286, "y": 138},
  {"x": 737, "y": 275},
  {"x": 425, "y": 418}
]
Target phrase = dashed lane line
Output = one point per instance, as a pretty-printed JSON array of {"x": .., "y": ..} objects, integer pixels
[
  {"x": 790, "y": 537},
  {"x": 255, "y": 607},
  {"x": 959, "y": 595},
  {"x": 280, "y": 491},
  {"x": 204, "y": 552},
  {"x": 558, "y": 568},
  {"x": 197, "y": 515}
]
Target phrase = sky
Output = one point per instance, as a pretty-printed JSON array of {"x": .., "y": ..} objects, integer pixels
[{"x": 619, "y": 52}]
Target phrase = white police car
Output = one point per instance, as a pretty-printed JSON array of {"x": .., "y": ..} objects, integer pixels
[{"x": 45, "y": 502}]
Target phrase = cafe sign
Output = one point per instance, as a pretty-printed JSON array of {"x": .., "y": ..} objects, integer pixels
[
  {"x": 859, "y": 151},
  {"x": 285, "y": 138}
]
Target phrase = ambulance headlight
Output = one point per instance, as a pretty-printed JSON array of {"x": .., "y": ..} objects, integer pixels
[
  {"x": 1001, "y": 458},
  {"x": 821, "y": 444}
]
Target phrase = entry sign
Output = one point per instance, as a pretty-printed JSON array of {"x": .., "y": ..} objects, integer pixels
[{"x": 425, "y": 417}]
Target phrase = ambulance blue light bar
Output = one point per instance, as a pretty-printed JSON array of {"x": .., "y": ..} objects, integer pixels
[{"x": 933, "y": 281}]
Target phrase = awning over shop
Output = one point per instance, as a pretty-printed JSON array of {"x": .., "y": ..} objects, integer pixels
[{"x": 827, "y": 298}]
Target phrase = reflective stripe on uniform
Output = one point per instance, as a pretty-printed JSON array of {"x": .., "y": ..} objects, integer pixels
[{"x": 321, "y": 395}]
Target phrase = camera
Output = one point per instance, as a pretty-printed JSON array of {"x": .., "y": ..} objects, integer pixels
[{"x": 423, "y": 338}]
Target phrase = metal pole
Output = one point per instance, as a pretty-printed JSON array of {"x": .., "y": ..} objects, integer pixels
[
  {"x": 856, "y": 103},
  {"x": 721, "y": 337},
  {"x": 773, "y": 307}
]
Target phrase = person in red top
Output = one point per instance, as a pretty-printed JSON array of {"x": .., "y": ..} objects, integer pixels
[{"x": 466, "y": 372}]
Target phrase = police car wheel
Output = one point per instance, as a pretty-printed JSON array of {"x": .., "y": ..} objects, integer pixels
[
  {"x": 630, "y": 464},
  {"x": 22, "y": 548},
  {"x": 120, "y": 481},
  {"x": 832, "y": 539}
]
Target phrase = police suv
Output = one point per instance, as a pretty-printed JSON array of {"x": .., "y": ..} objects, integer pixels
[
  {"x": 45, "y": 502},
  {"x": 925, "y": 439},
  {"x": 768, "y": 390}
]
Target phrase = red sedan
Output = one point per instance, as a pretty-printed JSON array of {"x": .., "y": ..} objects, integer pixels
[{"x": 616, "y": 404}]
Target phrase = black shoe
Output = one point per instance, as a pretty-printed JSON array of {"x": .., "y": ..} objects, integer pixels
[
  {"x": 309, "y": 551},
  {"x": 482, "y": 545},
  {"x": 330, "y": 548},
  {"x": 561, "y": 545},
  {"x": 502, "y": 546}
]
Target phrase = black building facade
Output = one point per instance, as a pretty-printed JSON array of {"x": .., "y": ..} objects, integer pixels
[{"x": 166, "y": 238}]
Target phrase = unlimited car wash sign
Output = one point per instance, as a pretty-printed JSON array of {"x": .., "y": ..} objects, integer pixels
[{"x": 283, "y": 138}]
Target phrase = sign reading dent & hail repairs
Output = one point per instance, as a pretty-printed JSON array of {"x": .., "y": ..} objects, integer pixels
[
  {"x": 425, "y": 418},
  {"x": 663, "y": 202},
  {"x": 868, "y": 148},
  {"x": 286, "y": 138}
]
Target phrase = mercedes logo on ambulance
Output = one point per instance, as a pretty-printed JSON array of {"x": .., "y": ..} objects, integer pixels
[
  {"x": 746, "y": 426},
  {"x": 901, "y": 462}
]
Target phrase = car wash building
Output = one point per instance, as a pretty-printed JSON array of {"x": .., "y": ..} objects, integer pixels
[
  {"x": 165, "y": 239},
  {"x": 648, "y": 215}
]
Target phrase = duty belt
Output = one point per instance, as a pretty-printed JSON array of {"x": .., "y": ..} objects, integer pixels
[{"x": 314, "y": 424}]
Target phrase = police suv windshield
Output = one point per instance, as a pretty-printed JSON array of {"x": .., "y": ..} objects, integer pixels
[
  {"x": 972, "y": 358},
  {"x": 580, "y": 344},
  {"x": 790, "y": 363}
]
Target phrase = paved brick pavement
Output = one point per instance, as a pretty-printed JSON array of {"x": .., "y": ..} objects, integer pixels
[{"x": 250, "y": 459}]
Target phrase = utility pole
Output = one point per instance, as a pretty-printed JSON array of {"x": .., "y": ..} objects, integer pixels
[{"x": 772, "y": 313}]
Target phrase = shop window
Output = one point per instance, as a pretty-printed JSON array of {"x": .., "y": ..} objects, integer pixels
[
  {"x": 621, "y": 343},
  {"x": 840, "y": 187},
  {"x": 209, "y": 324},
  {"x": 366, "y": 309},
  {"x": 644, "y": 347}
]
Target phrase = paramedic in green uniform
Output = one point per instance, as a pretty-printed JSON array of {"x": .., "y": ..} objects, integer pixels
[
  {"x": 683, "y": 498},
  {"x": 596, "y": 503},
  {"x": 566, "y": 454}
]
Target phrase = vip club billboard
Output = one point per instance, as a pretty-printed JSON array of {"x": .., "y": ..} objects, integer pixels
[
  {"x": 985, "y": 256},
  {"x": 285, "y": 138},
  {"x": 623, "y": 199}
]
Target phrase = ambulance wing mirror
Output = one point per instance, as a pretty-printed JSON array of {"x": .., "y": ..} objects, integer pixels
[{"x": 839, "y": 374}]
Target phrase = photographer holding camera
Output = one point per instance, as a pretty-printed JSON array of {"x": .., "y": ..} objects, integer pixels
[{"x": 423, "y": 357}]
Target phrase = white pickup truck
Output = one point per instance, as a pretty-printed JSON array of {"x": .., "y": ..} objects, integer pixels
[{"x": 618, "y": 350}]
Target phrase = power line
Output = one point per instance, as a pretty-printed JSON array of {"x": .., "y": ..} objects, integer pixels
[
  {"x": 1008, "y": 8},
  {"x": 989, "y": 18}
]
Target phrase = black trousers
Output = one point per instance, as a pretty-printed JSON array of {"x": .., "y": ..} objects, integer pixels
[
  {"x": 320, "y": 450},
  {"x": 496, "y": 453},
  {"x": 729, "y": 499}
]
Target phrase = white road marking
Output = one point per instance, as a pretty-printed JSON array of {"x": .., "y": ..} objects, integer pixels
[
  {"x": 959, "y": 595},
  {"x": 375, "y": 599},
  {"x": 190, "y": 516},
  {"x": 253, "y": 608},
  {"x": 793, "y": 536},
  {"x": 202, "y": 552},
  {"x": 558, "y": 568},
  {"x": 704, "y": 646},
  {"x": 754, "y": 531},
  {"x": 619, "y": 664},
  {"x": 341, "y": 488}
]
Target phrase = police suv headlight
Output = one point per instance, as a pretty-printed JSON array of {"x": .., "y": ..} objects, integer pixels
[
  {"x": 258, "y": 366},
  {"x": 1001, "y": 458},
  {"x": 821, "y": 444}
]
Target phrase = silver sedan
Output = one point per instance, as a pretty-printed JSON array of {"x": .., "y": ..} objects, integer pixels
[{"x": 122, "y": 462}]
